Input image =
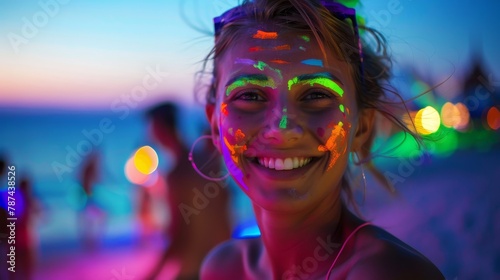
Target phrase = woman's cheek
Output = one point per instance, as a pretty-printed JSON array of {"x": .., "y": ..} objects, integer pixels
[
  {"x": 234, "y": 144},
  {"x": 233, "y": 138},
  {"x": 334, "y": 137}
]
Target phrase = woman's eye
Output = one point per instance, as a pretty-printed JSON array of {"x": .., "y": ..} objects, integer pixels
[
  {"x": 250, "y": 96},
  {"x": 317, "y": 95}
]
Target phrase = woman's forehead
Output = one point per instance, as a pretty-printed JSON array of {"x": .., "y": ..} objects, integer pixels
[
  {"x": 275, "y": 36},
  {"x": 286, "y": 49}
]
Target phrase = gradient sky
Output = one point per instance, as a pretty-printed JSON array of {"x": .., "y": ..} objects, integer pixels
[{"x": 89, "y": 53}]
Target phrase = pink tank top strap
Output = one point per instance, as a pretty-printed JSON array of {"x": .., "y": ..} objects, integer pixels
[{"x": 343, "y": 246}]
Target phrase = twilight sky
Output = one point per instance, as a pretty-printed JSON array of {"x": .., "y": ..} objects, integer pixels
[{"x": 93, "y": 54}]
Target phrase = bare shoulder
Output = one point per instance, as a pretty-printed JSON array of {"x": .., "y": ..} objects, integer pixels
[
  {"x": 386, "y": 257},
  {"x": 229, "y": 259}
]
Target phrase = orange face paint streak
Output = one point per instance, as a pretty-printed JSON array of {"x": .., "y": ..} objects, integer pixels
[
  {"x": 282, "y": 48},
  {"x": 255, "y": 49},
  {"x": 265, "y": 35},
  {"x": 236, "y": 150},
  {"x": 331, "y": 125},
  {"x": 333, "y": 144},
  {"x": 280, "y": 61},
  {"x": 239, "y": 135},
  {"x": 223, "y": 109}
]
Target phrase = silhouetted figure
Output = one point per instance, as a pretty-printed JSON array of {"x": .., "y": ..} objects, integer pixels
[
  {"x": 92, "y": 216},
  {"x": 25, "y": 249},
  {"x": 145, "y": 213},
  {"x": 197, "y": 223}
]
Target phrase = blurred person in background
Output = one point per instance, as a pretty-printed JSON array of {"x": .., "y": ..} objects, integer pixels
[
  {"x": 25, "y": 250},
  {"x": 92, "y": 216},
  {"x": 197, "y": 223}
]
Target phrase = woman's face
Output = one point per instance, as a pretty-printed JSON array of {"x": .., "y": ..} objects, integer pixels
[{"x": 285, "y": 117}]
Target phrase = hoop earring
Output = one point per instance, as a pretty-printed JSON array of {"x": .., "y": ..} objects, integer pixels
[
  {"x": 358, "y": 163},
  {"x": 190, "y": 158}
]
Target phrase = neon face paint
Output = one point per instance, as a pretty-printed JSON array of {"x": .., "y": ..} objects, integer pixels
[
  {"x": 313, "y": 62},
  {"x": 261, "y": 65},
  {"x": 223, "y": 109},
  {"x": 302, "y": 48},
  {"x": 277, "y": 48},
  {"x": 284, "y": 119},
  {"x": 249, "y": 80},
  {"x": 319, "y": 79},
  {"x": 305, "y": 38},
  {"x": 235, "y": 150},
  {"x": 334, "y": 143},
  {"x": 255, "y": 49},
  {"x": 282, "y": 48},
  {"x": 280, "y": 61},
  {"x": 342, "y": 109},
  {"x": 245, "y": 61},
  {"x": 263, "y": 35},
  {"x": 239, "y": 135}
]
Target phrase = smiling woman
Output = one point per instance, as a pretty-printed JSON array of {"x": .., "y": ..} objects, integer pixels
[{"x": 294, "y": 93}]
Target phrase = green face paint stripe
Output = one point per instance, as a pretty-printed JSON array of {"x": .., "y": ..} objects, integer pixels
[
  {"x": 245, "y": 81},
  {"x": 320, "y": 81},
  {"x": 341, "y": 107},
  {"x": 262, "y": 65},
  {"x": 305, "y": 38},
  {"x": 292, "y": 82},
  {"x": 284, "y": 119}
]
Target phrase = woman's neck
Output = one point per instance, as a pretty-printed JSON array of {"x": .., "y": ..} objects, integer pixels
[{"x": 301, "y": 245}]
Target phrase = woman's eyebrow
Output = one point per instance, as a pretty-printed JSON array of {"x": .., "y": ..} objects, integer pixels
[
  {"x": 327, "y": 75},
  {"x": 325, "y": 79},
  {"x": 254, "y": 79}
]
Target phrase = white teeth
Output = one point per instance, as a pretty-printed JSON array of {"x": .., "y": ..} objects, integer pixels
[
  {"x": 278, "y": 164},
  {"x": 271, "y": 163},
  {"x": 283, "y": 164}
]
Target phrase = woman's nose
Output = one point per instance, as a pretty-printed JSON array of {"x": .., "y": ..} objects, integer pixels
[{"x": 283, "y": 128}]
